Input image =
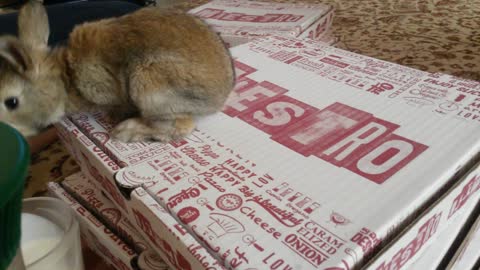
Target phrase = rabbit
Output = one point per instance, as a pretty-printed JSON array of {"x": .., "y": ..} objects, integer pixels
[{"x": 153, "y": 70}]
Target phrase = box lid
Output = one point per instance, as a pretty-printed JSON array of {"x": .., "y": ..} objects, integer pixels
[{"x": 315, "y": 147}]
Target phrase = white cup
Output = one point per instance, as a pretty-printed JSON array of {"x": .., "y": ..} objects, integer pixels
[{"x": 50, "y": 235}]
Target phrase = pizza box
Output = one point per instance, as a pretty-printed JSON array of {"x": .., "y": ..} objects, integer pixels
[
  {"x": 468, "y": 254},
  {"x": 103, "y": 241},
  {"x": 240, "y": 21},
  {"x": 343, "y": 160},
  {"x": 440, "y": 251}
]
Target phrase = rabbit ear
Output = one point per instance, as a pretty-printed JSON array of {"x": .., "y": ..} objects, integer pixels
[
  {"x": 14, "y": 53},
  {"x": 33, "y": 27}
]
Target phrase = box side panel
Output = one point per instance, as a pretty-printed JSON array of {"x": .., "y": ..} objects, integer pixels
[
  {"x": 413, "y": 243},
  {"x": 469, "y": 252},
  {"x": 168, "y": 238},
  {"x": 329, "y": 38},
  {"x": 98, "y": 237},
  {"x": 67, "y": 132},
  {"x": 319, "y": 28},
  {"x": 434, "y": 254},
  {"x": 82, "y": 189},
  {"x": 95, "y": 164}
]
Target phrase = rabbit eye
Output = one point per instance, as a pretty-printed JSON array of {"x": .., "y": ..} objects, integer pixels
[{"x": 11, "y": 103}]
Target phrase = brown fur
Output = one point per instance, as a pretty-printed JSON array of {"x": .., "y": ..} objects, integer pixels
[{"x": 164, "y": 67}]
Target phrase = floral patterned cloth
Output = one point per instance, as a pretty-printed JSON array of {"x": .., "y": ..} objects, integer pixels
[{"x": 431, "y": 35}]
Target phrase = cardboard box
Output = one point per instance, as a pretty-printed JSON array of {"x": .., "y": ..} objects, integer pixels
[
  {"x": 99, "y": 167},
  {"x": 321, "y": 159},
  {"x": 103, "y": 241},
  {"x": 329, "y": 38},
  {"x": 241, "y": 21},
  {"x": 99, "y": 238},
  {"x": 409, "y": 245},
  {"x": 468, "y": 255},
  {"x": 91, "y": 197},
  {"x": 149, "y": 259},
  {"x": 439, "y": 251}
]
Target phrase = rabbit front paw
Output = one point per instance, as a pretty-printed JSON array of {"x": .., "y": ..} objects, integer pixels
[
  {"x": 183, "y": 127},
  {"x": 137, "y": 130}
]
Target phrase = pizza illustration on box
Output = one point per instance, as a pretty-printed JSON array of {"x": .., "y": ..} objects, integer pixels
[{"x": 223, "y": 225}]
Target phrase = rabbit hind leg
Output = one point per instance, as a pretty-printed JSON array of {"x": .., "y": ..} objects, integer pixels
[
  {"x": 157, "y": 120},
  {"x": 165, "y": 113},
  {"x": 160, "y": 124}
]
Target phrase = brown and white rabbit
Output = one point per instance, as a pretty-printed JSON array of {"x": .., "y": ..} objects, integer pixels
[{"x": 159, "y": 67}]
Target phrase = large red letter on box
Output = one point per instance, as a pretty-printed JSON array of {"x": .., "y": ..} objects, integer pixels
[
  {"x": 273, "y": 116},
  {"x": 364, "y": 138},
  {"x": 242, "y": 70},
  {"x": 319, "y": 130},
  {"x": 249, "y": 95},
  {"x": 390, "y": 156}
]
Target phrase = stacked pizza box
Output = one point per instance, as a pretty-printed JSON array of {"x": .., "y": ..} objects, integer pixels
[
  {"x": 439, "y": 254},
  {"x": 240, "y": 21},
  {"x": 103, "y": 227},
  {"x": 321, "y": 159},
  {"x": 467, "y": 255}
]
